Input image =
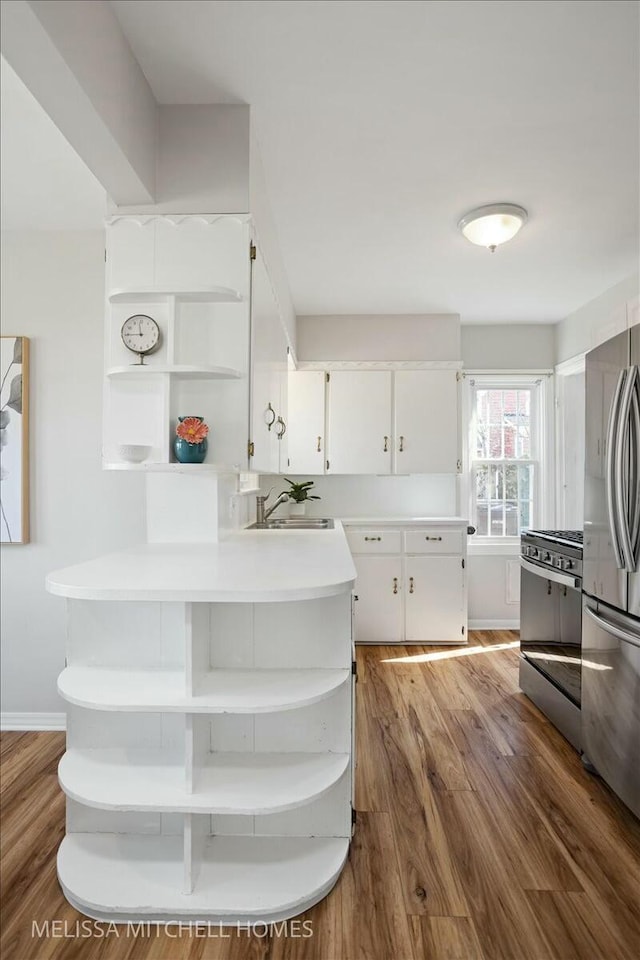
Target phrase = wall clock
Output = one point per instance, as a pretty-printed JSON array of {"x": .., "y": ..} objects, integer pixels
[{"x": 141, "y": 335}]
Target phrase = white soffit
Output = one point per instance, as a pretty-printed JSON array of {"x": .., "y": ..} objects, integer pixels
[
  {"x": 381, "y": 123},
  {"x": 45, "y": 184}
]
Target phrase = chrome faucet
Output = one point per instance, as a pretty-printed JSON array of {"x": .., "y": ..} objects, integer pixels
[{"x": 263, "y": 515}]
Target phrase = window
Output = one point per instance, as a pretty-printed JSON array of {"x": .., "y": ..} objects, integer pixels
[{"x": 505, "y": 450}]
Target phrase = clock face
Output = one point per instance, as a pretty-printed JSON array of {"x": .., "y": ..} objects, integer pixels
[{"x": 140, "y": 333}]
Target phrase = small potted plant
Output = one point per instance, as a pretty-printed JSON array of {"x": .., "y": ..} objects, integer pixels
[
  {"x": 298, "y": 493},
  {"x": 190, "y": 443}
]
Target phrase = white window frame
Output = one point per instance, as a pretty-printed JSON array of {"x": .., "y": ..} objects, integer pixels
[{"x": 543, "y": 408}]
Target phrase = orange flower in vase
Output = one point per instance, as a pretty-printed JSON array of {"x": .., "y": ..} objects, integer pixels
[{"x": 190, "y": 445}]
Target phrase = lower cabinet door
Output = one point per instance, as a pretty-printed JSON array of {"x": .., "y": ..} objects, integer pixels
[
  {"x": 378, "y": 609},
  {"x": 434, "y": 595}
]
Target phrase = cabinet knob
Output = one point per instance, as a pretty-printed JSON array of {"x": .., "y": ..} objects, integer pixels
[
  {"x": 367, "y": 539},
  {"x": 401, "y": 447},
  {"x": 318, "y": 448},
  {"x": 395, "y": 584},
  {"x": 386, "y": 444},
  {"x": 433, "y": 538},
  {"x": 281, "y": 428},
  {"x": 410, "y": 584}
]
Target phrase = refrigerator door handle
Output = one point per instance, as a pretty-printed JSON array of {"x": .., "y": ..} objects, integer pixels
[
  {"x": 625, "y": 487},
  {"x": 612, "y": 628},
  {"x": 611, "y": 472},
  {"x": 634, "y": 471}
]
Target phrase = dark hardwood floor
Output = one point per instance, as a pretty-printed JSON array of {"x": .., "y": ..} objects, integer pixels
[{"x": 479, "y": 836}]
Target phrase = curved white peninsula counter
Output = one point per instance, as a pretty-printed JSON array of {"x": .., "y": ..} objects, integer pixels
[{"x": 208, "y": 770}]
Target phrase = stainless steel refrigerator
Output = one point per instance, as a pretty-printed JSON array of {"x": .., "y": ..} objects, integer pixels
[{"x": 611, "y": 581}]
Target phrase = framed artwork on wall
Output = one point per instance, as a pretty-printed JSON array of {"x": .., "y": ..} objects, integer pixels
[{"x": 14, "y": 440}]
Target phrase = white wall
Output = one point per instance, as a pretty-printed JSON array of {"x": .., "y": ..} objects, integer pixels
[
  {"x": 502, "y": 346},
  {"x": 364, "y": 496},
  {"x": 596, "y": 321},
  {"x": 494, "y": 589},
  {"x": 379, "y": 338},
  {"x": 52, "y": 292}
]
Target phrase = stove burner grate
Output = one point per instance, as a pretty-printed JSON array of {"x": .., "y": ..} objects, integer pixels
[{"x": 575, "y": 536}]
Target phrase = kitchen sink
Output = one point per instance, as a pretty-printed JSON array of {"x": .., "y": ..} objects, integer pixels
[{"x": 294, "y": 523}]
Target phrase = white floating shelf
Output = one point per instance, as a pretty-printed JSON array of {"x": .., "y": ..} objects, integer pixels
[
  {"x": 221, "y": 691},
  {"x": 230, "y": 783},
  {"x": 181, "y": 371},
  {"x": 159, "y": 294},
  {"x": 157, "y": 467},
  {"x": 241, "y": 879}
]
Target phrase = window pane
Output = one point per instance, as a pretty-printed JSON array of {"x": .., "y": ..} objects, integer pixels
[
  {"x": 503, "y": 424},
  {"x": 482, "y": 479},
  {"x": 495, "y": 442},
  {"x": 511, "y": 519},
  {"x": 511, "y": 482},
  {"x": 482, "y": 513},
  {"x": 497, "y": 519}
]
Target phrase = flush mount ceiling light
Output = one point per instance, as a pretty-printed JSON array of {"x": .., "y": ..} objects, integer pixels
[{"x": 493, "y": 224}]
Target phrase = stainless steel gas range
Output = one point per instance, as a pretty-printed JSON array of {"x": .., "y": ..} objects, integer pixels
[{"x": 551, "y": 626}]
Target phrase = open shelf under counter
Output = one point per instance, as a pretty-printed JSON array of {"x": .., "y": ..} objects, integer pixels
[
  {"x": 213, "y": 294},
  {"x": 181, "y": 371},
  {"x": 220, "y": 691},
  {"x": 117, "y": 877},
  {"x": 227, "y": 783}
]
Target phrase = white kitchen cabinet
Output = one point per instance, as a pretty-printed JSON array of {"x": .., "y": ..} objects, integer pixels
[
  {"x": 378, "y": 608},
  {"x": 268, "y": 430},
  {"x": 306, "y": 423},
  {"x": 434, "y": 599},
  {"x": 411, "y": 584},
  {"x": 359, "y": 421},
  {"x": 426, "y": 421},
  {"x": 377, "y": 421}
]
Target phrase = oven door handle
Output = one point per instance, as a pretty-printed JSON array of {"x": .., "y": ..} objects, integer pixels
[
  {"x": 547, "y": 574},
  {"x": 612, "y": 628}
]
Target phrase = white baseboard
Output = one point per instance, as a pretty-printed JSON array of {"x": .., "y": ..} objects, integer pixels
[
  {"x": 494, "y": 624},
  {"x": 33, "y": 721}
]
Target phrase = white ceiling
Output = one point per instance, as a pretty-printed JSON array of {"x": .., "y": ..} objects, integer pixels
[
  {"x": 380, "y": 123},
  {"x": 45, "y": 184}
]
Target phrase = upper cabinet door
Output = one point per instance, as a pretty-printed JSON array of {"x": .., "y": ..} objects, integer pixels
[
  {"x": 426, "y": 421},
  {"x": 306, "y": 422},
  {"x": 268, "y": 361},
  {"x": 359, "y": 422}
]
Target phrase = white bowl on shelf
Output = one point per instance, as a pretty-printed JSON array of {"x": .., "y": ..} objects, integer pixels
[{"x": 134, "y": 452}]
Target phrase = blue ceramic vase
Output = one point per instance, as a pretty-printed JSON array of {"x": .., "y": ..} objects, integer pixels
[{"x": 186, "y": 452}]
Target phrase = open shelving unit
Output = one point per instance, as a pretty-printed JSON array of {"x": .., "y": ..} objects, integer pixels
[
  {"x": 264, "y": 878},
  {"x": 208, "y": 770},
  {"x": 217, "y": 691},
  {"x": 201, "y": 364}
]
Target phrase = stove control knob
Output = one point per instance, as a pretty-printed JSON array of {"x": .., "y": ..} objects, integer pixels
[
  {"x": 546, "y": 557},
  {"x": 558, "y": 562},
  {"x": 531, "y": 552},
  {"x": 567, "y": 564}
]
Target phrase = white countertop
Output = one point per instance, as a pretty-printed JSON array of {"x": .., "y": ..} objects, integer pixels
[
  {"x": 381, "y": 521},
  {"x": 252, "y": 566}
]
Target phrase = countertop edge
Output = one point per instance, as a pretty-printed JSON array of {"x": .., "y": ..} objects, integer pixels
[{"x": 323, "y": 557}]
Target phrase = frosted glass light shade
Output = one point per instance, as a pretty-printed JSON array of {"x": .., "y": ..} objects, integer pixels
[{"x": 492, "y": 225}]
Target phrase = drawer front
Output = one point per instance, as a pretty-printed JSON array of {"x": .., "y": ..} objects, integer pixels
[
  {"x": 433, "y": 541},
  {"x": 373, "y": 541}
]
